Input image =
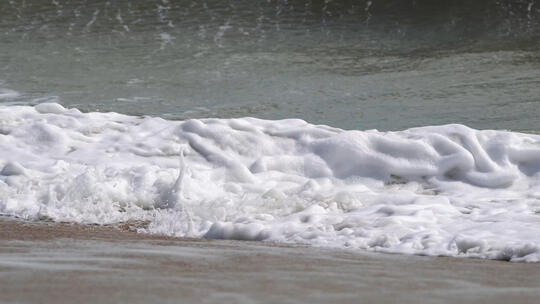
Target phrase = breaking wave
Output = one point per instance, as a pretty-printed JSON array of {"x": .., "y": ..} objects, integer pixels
[{"x": 435, "y": 190}]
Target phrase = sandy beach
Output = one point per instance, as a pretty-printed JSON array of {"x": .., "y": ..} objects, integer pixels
[{"x": 45, "y": 262}]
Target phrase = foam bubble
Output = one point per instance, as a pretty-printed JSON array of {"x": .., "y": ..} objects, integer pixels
[
  {"x": 50, "y": 108},
  {"x": 12, "y": 168}
]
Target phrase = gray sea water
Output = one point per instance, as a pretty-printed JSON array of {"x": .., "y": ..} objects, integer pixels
[{"x": 352, "y": 64}]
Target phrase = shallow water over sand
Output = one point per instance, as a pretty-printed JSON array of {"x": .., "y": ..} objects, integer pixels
[{"x": 51, "y": 263}]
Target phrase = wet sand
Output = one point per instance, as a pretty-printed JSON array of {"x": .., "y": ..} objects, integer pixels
[{"x": 44, "y": 262}]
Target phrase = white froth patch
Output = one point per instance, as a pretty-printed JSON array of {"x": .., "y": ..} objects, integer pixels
[
  {"x": 441, "y": 190},
  {"x": 12, "y": 168},
  {"x": 53, "y": 108}
]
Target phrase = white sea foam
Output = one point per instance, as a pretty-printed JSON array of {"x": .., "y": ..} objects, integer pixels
[{"x": 438, "y": 190}]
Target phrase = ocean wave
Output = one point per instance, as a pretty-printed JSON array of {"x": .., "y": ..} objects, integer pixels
[{"x": 436, "y": 190}]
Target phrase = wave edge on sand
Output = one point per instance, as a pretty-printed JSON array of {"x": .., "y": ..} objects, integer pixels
[{"x": 434, "y": 190}]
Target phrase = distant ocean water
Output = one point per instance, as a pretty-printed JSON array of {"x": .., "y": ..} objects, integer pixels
[
  {"x": 176, "y": 152},
  {"x": 381, "y": 64}
]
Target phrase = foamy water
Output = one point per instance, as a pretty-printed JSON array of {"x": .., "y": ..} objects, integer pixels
[{"x": 436, "y": 190}]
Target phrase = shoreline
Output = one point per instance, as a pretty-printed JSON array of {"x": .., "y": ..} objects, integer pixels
[{"x": 51, "y": 262}]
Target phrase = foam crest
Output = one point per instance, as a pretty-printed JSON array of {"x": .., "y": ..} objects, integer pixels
[{"x": 437, "y": 190}]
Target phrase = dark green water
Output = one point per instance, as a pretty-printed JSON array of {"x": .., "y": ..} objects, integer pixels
[{"x": 349, "y": 64}]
